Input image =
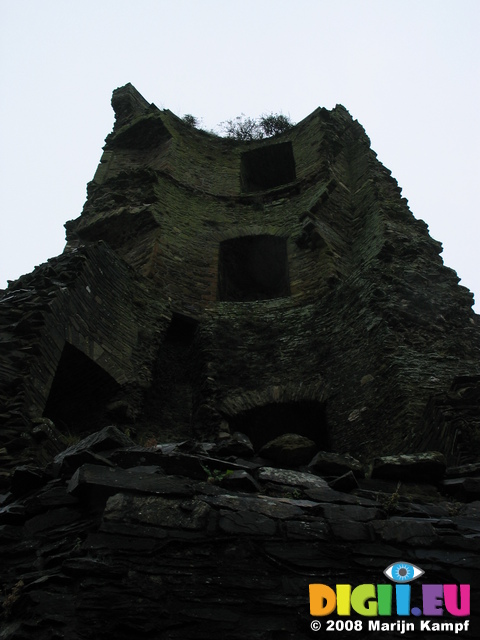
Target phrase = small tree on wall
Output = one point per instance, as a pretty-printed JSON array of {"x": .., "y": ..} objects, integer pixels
[
  {"x": 266, "y": 126},
  {"x": 245, "y": 128}
]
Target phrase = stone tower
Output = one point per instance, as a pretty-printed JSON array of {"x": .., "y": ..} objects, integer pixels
[
  {"x": 273, "y": 286},
  {"x": 210, "y": 287}
]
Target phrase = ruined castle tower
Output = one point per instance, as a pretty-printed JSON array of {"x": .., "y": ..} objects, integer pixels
[
  {"x": 274, "y": 286},
  {"x": 214, "y": 287}
]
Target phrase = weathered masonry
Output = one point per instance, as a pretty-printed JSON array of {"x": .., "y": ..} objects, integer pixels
[
  {"x": 276, "y": 286},
  {"x": 206, "y": 398}
]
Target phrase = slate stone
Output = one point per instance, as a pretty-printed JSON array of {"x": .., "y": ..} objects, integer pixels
[
  {"x": 72, "y": 461},
  {"x": 429, "y": 466},
  {"x": 463, "y": 488},
  {"x": 328, "y": 463},
  {"x": 52, "y": 495},
  {"x": 398, "y": 530},
  {"x": 349, "y": 530},
  {"x": 114, "y": 542},
  {"x": 106, "y": 439},
  {"x": 134, "y": 456},
  {"x": 240, "y": 481},
  {"x": 237, "y": 445},
  {"x": 246, "y": 523},
  {"x": 106, "y": 481},
  {"x": 91, "y": 567},
  {"x": 53, "y": 520},
  {"x": 327, "y": 494},
  {"x": 14, "y": 513},
  {"x": 157, "y": 511},
  {"x": 271, "y": 507},
  {"x": 291, "y": 478},
  {"x": 289, "y": 449},
  {"x": 147, "y": 469},
  {"x": 175, "y": 462},
  {"x": 349, "y": 513},
  {"x": 471, "y": 543},
  {"x": 315, "y": 529},
  {"x": 471, "y": 470},
  {"x": 10, "y": 533},
  {"x": 132, "y": 530},
  {"x": 471, "y": 510},
  {"x": 347, "y": 482}
]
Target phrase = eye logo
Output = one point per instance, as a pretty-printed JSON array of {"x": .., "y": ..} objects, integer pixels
[{"x": 403, "y": 572}]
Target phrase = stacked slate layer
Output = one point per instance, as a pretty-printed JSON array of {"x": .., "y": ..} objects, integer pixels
[
  {"x": 174, "y": 542},
  {"x": 211, "y": 286}
]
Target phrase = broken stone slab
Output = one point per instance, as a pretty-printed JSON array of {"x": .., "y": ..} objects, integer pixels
[
  {"x": 135, "y": 456},
  {"x": 240, "y": 481},
  {"x": 427, "y": 467},
  {"x": 106, "y": 439},
  {"x": 327, "y": 463},
  {"x": 291, "y": 478},
  {"x": 467, "y": 489},
  {"x": 471, "y": 470},
  {"x": 157, "y": 511},
  {"x": 170, "y": 447},
  {"x": 237, "y": 445},
  {"x": 327, "y": 494},
  {"x": 271, "y": 507},
  {"x": 289, "y": 449},
  {"x": 71, "y": 462},
  {"x": 150, "y": 469},
  {"x": 189, "y": 465},
  {"x": 91, "y": 481}
]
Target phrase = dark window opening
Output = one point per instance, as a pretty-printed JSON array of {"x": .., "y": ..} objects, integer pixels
[
  {"x": 267, "y": 167},
  {"x": 168, "y": 403},
  {"x": 181, "y": 329},
  {"x": 267, "y": 422},
  {"x": 253, "y": 268},
  {"x": 80, "y": 392}
]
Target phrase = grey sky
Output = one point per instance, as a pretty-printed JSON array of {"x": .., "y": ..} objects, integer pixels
[{"x": 408, "y": 70}]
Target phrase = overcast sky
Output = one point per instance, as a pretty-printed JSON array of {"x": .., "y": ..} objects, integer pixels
[{"x": 407, "y": 70}]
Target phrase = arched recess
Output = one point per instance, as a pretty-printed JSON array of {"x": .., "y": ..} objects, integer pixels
[
  {"x": 80, "y": 393},
  {"x": 267, "y": 422},
  {"x": 265, "y": 415}
]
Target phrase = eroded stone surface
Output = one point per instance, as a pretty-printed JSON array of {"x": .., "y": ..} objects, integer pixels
[{"x": 208, "y": 288}]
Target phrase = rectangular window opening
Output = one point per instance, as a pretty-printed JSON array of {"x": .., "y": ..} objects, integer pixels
[
  {"x": 253, "y": 268},
  {"x": 267, "y": 167}
]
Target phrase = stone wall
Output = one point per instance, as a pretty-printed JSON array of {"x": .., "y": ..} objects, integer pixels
[{"x": 249, "y": 316}]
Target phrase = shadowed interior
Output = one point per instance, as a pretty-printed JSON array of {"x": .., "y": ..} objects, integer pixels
[
  {"x": 253, "y": 268},
  {"x": 262, "y": 424}
]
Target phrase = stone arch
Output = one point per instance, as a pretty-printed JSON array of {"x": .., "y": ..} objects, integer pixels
[{"x": 266, "y": 414}]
